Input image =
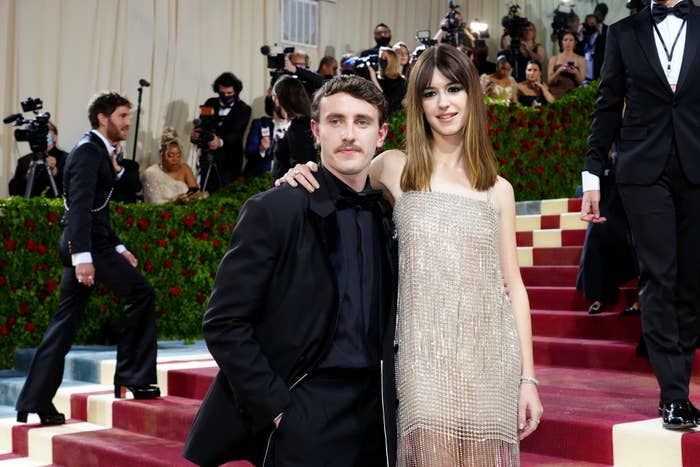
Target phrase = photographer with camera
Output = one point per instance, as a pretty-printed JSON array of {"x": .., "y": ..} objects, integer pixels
[
  {"x": 297, "y": 64},
  {"x": 52, "y": 159},
  {"x": 219, "y": 133},
  {"x": 453, "y": 30},
  {"x": 529, "y": 49}
]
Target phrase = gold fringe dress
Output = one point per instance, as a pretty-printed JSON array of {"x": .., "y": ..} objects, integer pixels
[{"x": 458, "y": 358}]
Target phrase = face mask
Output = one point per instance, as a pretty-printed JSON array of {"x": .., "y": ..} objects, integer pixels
[
  {"x": 49, "y": 139},
  {"x": 227, "y": 100},
  {"x": 383, "y": 63},
  {"x": 383, "y": 41},
  {"x": 590, "y": 29}
]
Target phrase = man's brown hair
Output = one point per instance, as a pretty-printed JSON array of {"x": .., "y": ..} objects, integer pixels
[
  {"x": 105, "y": 103},
  {"x": 357, "y": 87}
]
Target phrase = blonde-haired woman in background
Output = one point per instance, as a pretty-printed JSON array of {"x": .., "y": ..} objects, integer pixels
[
  {"x": 170, "y": 179},
  {"x": 390, "y": 81}
]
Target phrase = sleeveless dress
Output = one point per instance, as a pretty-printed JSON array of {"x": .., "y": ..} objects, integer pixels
[
  {"x": 458, "y": 358},
  {"x": 565, "y": 83}
]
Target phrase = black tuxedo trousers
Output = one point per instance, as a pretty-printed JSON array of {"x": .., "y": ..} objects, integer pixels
[
  {"x": 136, "y": 348},
  {"x": 665, "y": 228}
]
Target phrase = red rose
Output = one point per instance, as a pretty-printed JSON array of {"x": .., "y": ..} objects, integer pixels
[
  {"x": 496, "y": 145},
  {"x": 539, "y": 170},
  {"x": 29, "y": 327},
  {"x": 148, "y": 266},
  {"x": 11, "y": 320},
  {"x": 29, "y": 225},
  {"x": 142, "y": 224},
  {"x": 174, "y": 254},
  {"x": 201, "y": 298},
  {"x": 216, "y": 243},
  {"x": 189, "y": 220},
  {"x": 165, "y": 215},
  {"x": 10, "y": 245},
  {"x": 41, "y": 249},
  {"x": 129, "y": 221},
  {"x": 167, "y": 264},
  {"x": 3, "y": 281},
  {"x": 3, "y": 330},
  {"x": 207, "y": 223},
  {"x": 119, "y": 210},
  {"x": 24, "y": 309},
  {"x": 172, "y": 234},
  {"x": 532, "y": 186},
  {"x": 51, "y": 285},
  {"x": 175, "y": 291},
  {"x": 52, "y": 217},
  {"x": 204, "y": 236},
  {"x": 162, "y": 243},
  {"x": 31, "y": 245}
]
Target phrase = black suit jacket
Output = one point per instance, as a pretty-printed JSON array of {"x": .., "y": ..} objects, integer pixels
[
  {"x": 88, "y": 179},
  {"x": 655, "y": 116},
  {"x": 231, "y": 129},
  {"x": 271, "y": 317}
]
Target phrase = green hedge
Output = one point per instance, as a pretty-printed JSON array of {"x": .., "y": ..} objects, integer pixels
[
  {"x": 178, "y": 247},
  {"x": 539, "y": 150}
]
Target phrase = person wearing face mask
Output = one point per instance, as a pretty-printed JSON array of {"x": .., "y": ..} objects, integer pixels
[
  {"x": 382, "y": 37},
  {"x": 593, "y": 47},
  {"x": 227, "y": 145},
  {"x": 328, "y": 67},
  {"x": 390, "y": 81},
  {"x": 53, "y": 161}
]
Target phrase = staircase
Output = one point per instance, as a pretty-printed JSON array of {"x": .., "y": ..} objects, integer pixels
[{"x": 599, "y": 398}]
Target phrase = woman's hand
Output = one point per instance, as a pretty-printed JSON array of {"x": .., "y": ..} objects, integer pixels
[
  {"x": 301, "y": 174},
  {"x": 529, "y": 410}
]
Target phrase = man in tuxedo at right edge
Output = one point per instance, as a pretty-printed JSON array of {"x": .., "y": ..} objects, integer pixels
[{"x": 650, "y": 69}]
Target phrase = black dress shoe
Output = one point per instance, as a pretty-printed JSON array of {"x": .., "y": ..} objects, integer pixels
[
  {"x": 51, "y": 416},
  {"x": 139, "y": 392},
  {"x": 596, "y": 308},
  {"x": 678, "y": 415},
  {"x": 631, "y": 311}
]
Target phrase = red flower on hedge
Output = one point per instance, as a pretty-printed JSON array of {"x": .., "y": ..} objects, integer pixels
[
  {"x": 539, "y": 170},
  {"x": 215, "y": 243},
  {"x": 162, "y": 243},
  {"x": 119, "y": 210},
  {"x": 10, "y": 245},
  {"x": 41, "y": 249},
  {"x": 11, "y": 320},
  {"x": 201, "y": 298},
  {"x": 165, "y": 215},
  {"x": 207, "y": 223},
  {"x": 189, "y": 220},
  {"x": 31, "y": 245},
  {"x": 167, "y": 264},
  {"x": 24, "y": 309},
  {"x": 51, "y": 285},
  {"x": 3, "y": 281},
  {"x": 148, "y": 266},
  {"x": 29, "y": 225},
  {"x": 142, "y": 224},
  {"x": 30, "y": 327},
  {"x": 175, "y": 291},
  {"x": 129, "y": 221},
  {"x": 3, "y": 330},
  {"x": 172, "y": 234},
  {"x": 202, "y": 260},
  {"x": 52, "y": 217},
  {"x": 174, "y": 254}
]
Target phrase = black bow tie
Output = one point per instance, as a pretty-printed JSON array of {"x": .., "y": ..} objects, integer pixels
[
  {"x": 660, "y": 12},
  {"x": 359, "y": 200}
]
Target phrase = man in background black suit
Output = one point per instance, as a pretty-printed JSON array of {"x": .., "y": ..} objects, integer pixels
[
  {"x": 650, "y": 69},
  {"x": 301, "y": 318},
  {"x": 90, "y": 251},
  {"x": 225, "y": 150}
]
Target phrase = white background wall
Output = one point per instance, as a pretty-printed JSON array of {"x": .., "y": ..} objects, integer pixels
[{"x": 65, "y": 50}]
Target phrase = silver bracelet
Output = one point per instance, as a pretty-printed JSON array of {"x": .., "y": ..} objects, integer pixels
[{"x": 529, "y": 379}]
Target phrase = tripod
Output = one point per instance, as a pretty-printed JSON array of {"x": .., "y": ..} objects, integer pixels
[
  {"x": 38, "y": 160},
  {"x": 211, "y": 164}
]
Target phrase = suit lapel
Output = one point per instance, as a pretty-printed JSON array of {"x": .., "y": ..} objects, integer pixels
[
  {"x": 645, "y": 36},
  {"x": 692, "y": 39}
]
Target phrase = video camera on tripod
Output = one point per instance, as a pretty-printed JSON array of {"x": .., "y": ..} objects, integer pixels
[
  {"x": 36, "y": 133},
  {"x": 205, "y": 127},
  {"x": 275, "y": 60},
  {"x": 514, "y": 26}
]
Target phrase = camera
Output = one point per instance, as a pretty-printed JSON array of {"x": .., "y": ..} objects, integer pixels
[
  {"x": 34, "y": 132},
  {"x": 454, "y": 28},
  {"x": 560, "y": 20},
  {"x": 514, "y": 26},
  {"x": 275, "y": 59},
  {"x": 361, "y": 65},
  {"x": 205, "y": 125},
  {"x": 423, "y": 36}
]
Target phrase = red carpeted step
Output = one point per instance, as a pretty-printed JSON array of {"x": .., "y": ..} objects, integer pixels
[
  {"x": 537, "y": 460},
  {"x": 561, "y": 256},
  {"x": 549, "y": 221},
  {"x": 560, "y": 276},
  {"x": 167, "y": 417},
  {"x": 589, "y": 353},
  {"x": 690, "y": 449},
  {"x": 573, "y": 237},
  {"x": 523, "y": 238},
  {"x": 556, "y": 298},
  {"x": 115, "y": 447},
  {"x": 582, "y": 325},
  {"x": 192, "y": 383},
  {"x": 575, "y": 205}
]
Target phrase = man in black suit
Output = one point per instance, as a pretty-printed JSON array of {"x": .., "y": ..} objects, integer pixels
[
  {"x": 301, "y": 318},
  {"x": 651, "y": 62},
  {"x": 90, "y": 251},
  {"x": 223, "y": 153}
]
